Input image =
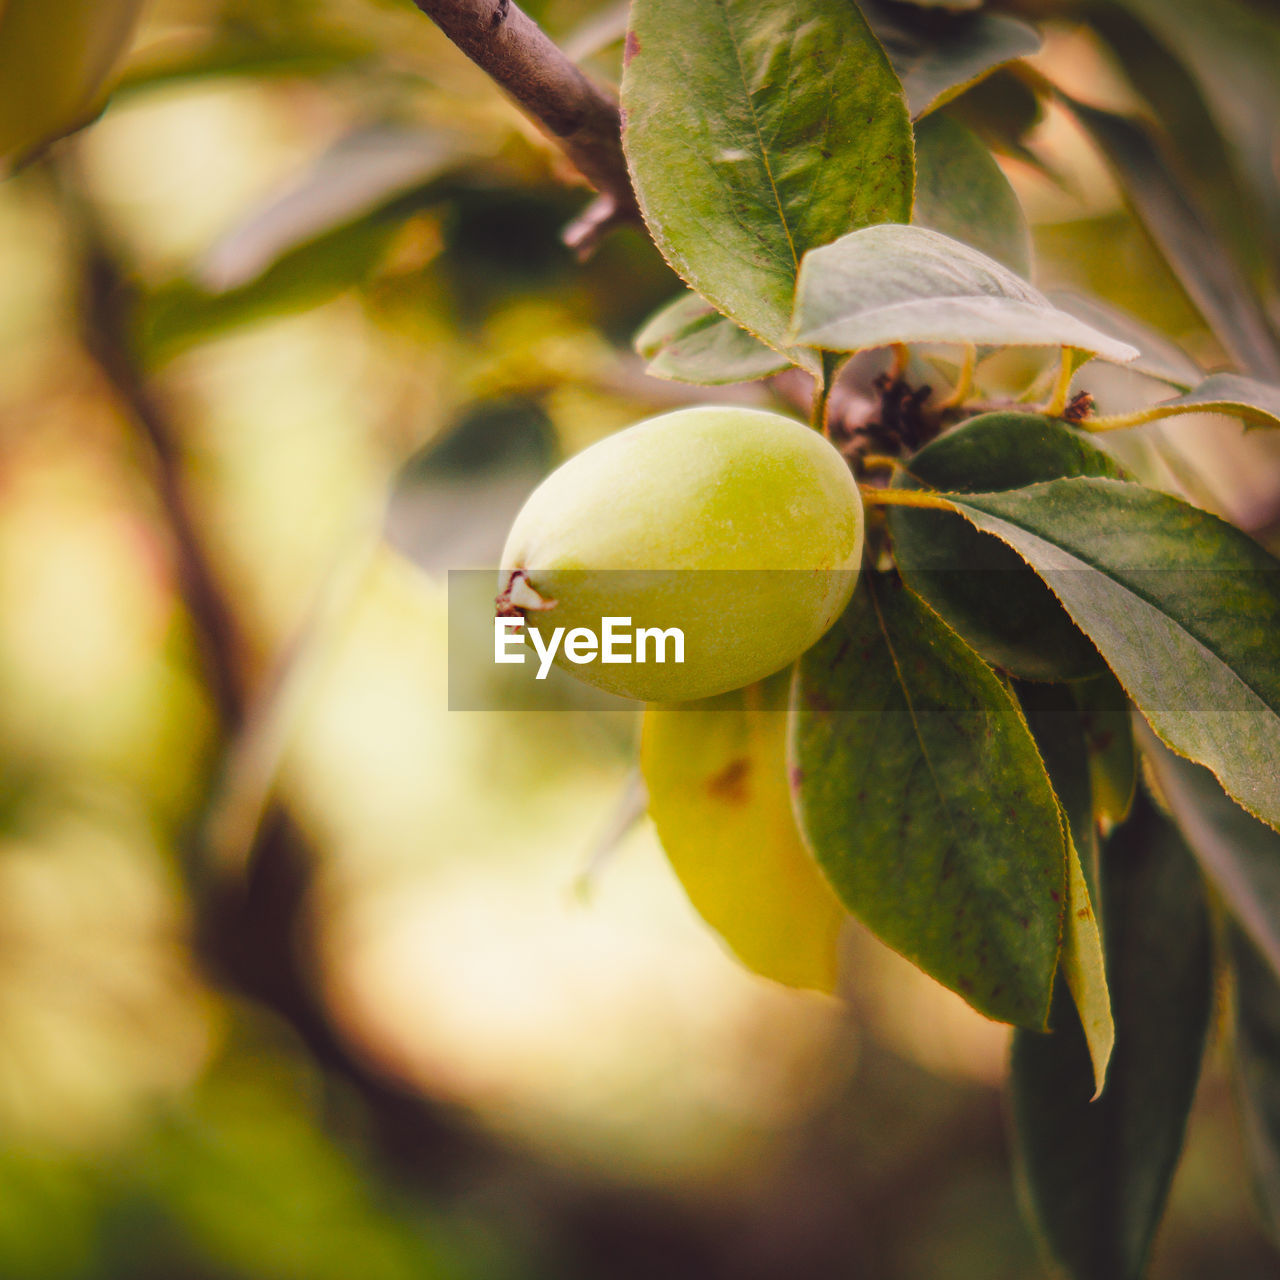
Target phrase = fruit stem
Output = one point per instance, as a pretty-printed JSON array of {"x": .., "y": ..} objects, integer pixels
[
  {"x": 1061, "y": 392},
  {"x": 874, "y": 496},
  {"x": 879, "y": 462},
  {"x": 1118, "y": 421},
  {"x": 964, "y": 379}
]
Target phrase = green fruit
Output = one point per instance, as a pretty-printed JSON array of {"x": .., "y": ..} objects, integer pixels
[
  {"x": 55, "y": 57},
  {"x": 740, "y": 528}
]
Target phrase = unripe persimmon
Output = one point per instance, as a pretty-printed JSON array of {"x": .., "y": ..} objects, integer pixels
[{"x": 740, "y": 528}]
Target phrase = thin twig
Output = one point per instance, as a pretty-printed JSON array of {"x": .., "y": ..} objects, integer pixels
[
  {"x": 253, "y": 928},
  {"x": 579, "y": 116},
  {"x": 107, "y": 322}
]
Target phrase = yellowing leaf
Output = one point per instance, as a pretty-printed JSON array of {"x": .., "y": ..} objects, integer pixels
[
  {"x": 1084, "y": 969},
  {"x": 718, "y": 795}
]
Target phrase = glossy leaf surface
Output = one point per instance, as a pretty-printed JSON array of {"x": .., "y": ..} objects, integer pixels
[
  {"x": 756, "y": 130},
  {"x": 979, "y": 585},
  {"x": 963, "y": 193},
  {"x": 688, "y": 340},
  {"x": 1183, "y": 606},
  {"x": 921, "y": 793},
  {"x": 907, "y": 284}
]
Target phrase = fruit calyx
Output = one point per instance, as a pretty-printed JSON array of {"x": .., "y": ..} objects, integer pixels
[{"x": 518, "y": 597}]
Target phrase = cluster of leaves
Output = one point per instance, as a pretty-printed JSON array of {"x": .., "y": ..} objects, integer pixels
[{"x": 956, "y": 762}]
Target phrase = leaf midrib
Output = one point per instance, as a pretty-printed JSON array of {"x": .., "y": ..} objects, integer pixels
[
  {"x": 911, "y": 711},
  {"x": 755, "y": 124},
  {"x": 1123, "y": 586}
]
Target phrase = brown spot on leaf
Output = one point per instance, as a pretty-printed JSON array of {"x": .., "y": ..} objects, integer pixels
[
  {"x": 730, "y": 784},
  {"x": 1084, "y": 914},
  {"x": 630, "y": 48}
]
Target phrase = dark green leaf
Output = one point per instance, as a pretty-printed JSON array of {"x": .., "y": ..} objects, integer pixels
[
  {"x": 1183, "y": 606},
  {"x": 232, "y": 55},
  {"x": 1162, "y": 203},
  {"x": 922, "y": 796},
  {"x": 938, "y": 55},
  {"x": 1097, "y": 1173},
  {"x": 1054, "y": 719},
  {"x": 755, "y": 131},
  {"x": 1009, "y": 450},
  {"x": 688, "y": 340},
  {"x": 906, "y": 284},
  {"x": 1056, "y": 725},
  {"x": 1158, "y": 356},
  {"x": 453, "y": 501},
  {"x": 980, "y": 586},
  {"x": 1002, "y": 110},
  {"x": 1108, "y": 738},
  {"x": 963, "y": 193},
  {"x": 362, "y": 173},
  {"x": 1238, "y": 854},
  {"x": 184, "y": 313},
  {"x": 1257, "y": 1070}
]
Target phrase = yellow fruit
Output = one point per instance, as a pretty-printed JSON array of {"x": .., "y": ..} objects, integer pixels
[
  {"x": 55, "y": 58},
  {"x": 740, "y": 529}
]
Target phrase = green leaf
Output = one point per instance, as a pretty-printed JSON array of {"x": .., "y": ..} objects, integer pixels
[
  {"x": 688, "y": 340},
  {"x": 1108, "y": 738},
  {"x": 1158, "y": 356},
  {"x": 906, "y": 284},
  {"x": 963, "y": 193},
  {"x": 922, "y": 795},
  {"x": 1158, "y": 67},
  {"x": 1002, "y": 110},
  {"x": 1257, "y": 403},
  {"x": 1238, "y": 854},
  {"x": 1183, "y": 606},
  {"x": 718, "y": 795},
  {"x": 360, "y": 174},
  {"x": 241, "y": 53},
  {"x": 1181, "y": 231},
  {"x": 1097, "y": 1173},
  {"x": 1058, "y": 728},
  {"x": 1256, "y": 1062},
  {"x": 1232, "y": 48},
  {"x": 1084, "y": 971},
  {"x": 981, "y": 587},
  {"x": 1009, "y": 450},
  {"x": 183, "y": 313},
  {"x": 756, "y": 130},
  {"x": 938, "y": 56}
]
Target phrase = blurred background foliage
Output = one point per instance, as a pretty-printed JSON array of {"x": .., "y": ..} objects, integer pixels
[{"x": 299, "y": 977}]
